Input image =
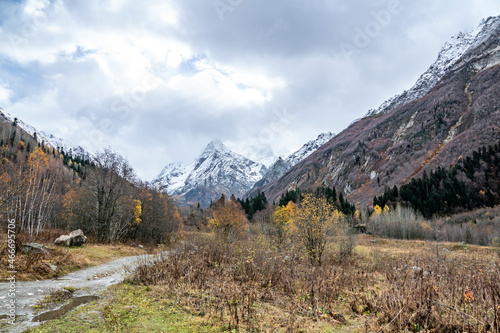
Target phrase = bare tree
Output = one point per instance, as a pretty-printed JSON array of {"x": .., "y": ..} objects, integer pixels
[{"x": 103, "y": 203}]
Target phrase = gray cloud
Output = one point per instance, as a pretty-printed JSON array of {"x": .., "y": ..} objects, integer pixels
[{"x": 157, "y": 81}]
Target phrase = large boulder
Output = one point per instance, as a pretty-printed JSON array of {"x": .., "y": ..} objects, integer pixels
[{"x": 75, "y": 238}]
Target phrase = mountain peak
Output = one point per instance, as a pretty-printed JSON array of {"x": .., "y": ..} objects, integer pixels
[
  {"x": 218, "y": 170},
  {"x": 281, "y": 166},
  {"x": 215, "y": 145}
]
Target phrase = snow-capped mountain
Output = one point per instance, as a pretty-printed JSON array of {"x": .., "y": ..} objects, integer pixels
[
  {"x": 217, "y": 170},
  {"x": 281, "y": 166},
  {"x": 455, "y": 117},
  {"x": 45, "y": 138},
  {"x": 451, "y": 53}
]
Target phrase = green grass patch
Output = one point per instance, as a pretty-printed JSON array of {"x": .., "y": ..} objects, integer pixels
[{"x": 128, "y": 308}]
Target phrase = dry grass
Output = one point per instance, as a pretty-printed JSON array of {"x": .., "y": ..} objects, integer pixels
[
  {"x": 35, "y": 266},
  {"x": 385, "y": 285}
]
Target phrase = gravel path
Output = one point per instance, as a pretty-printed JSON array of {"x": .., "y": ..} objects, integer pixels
[{"x": 89, "y": 281}]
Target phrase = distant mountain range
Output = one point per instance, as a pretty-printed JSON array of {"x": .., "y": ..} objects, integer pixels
[
  {"x": 219, "y": 170},
  {"x": 281, "y": 166},
  {"x": 452, "y": 110}
]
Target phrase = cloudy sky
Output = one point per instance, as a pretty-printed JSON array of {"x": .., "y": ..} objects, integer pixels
[{"x": 158, "y": 79}]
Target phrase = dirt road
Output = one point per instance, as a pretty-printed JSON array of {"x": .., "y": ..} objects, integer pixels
[{"x": 89, "y": 281}]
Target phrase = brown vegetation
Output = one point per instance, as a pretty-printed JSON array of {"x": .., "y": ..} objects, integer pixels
[
  {"x": 37, "y": 266},
  {"x": 480, "y": 226},
  {"x": 385, "y": 285}
]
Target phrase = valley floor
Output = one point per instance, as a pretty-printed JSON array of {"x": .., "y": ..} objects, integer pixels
[{"x": 250, "y": 286}]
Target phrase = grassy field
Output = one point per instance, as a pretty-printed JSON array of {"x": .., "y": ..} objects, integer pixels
[{"x": 251, "y": 286}]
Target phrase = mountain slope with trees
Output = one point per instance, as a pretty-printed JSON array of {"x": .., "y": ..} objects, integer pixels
[
  {"x": 44, "y": 188},
  {"x": 473, "y": 182}
]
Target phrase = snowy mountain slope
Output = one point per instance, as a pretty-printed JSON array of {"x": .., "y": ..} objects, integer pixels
[
  {"x": 451, "y": 53},
  {"x": 48, "y": 139},
  {"x": 308, "y": 148},
  {"x": 217, "y": 170},
  {"x": 281, "y": 166}
]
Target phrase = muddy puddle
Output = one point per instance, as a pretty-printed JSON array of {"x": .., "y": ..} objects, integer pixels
[{"x": 57, "y": 313}]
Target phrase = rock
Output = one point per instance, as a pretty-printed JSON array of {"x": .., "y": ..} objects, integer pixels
[
  {"x": 445, "y": 250},
  {"x": 51, "y": 266},
  {"x": 35, "y": 248},
  {"x": 373, "y": 241},
  {"x": 141, "y": 247},
  {"x": 75, "y": 238}
]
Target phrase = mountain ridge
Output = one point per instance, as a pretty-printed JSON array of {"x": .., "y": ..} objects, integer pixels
[
  {"x": 281, "y": 166},
  {"x": 44, "y": 137},
  {"x": 451, "y": 52},
  {"x": 454, "y": 116}
]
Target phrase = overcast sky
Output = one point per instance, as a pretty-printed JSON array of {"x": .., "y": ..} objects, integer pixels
[{"x": 159, "y": 79}]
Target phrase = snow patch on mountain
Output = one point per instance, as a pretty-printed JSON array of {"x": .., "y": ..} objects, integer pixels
[
  {"x": 451, "y": 53},
  {"x": 281, "y": 166},
  {"x": 308, "y": 148}
]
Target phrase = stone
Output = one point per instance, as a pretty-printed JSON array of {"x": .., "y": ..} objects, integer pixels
[
  {"x": 51, "y": 266},
  {"x": 35, "y": 248},
  {"x": 75, "y": 238}
]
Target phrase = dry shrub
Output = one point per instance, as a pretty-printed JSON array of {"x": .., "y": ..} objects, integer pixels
[
  {"x": 394, "y": 291},
  {"x": 227, "y": 281},
  {"x": 462, "y": 296}
]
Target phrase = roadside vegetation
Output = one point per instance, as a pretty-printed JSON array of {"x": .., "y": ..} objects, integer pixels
[
  {"x": 302, "y": 270},
  {"x": 38, "y": 266}
]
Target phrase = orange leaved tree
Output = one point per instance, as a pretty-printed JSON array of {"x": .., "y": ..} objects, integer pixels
[{"x": 229, "y": 221}]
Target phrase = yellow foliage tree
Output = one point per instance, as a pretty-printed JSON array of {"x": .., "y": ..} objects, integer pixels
[
  {"x": 281, "y": 221},
  {"x": 313, "y": 222},
  {"x": 228, "y": 220},
  {"x": 377, "y": 210},
  {"x": 137, "y": 212}
]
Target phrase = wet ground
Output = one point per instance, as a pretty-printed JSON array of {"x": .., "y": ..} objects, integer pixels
[{"x": 87, "y": 282}]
